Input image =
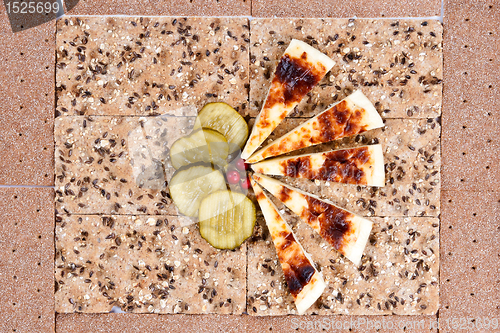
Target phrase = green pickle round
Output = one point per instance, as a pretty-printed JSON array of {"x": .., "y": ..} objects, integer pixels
[{"x": 226, "y": 218}]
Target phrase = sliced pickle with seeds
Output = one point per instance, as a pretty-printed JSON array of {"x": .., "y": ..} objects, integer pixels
[
  {"x": 227, "y": 219},
  {"x": 202, "y": 145},
  {"x": 189, "y": 185},
  {"x": 226, "y": 120}
]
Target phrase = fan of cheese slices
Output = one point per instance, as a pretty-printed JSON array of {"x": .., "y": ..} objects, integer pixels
[{"x": 301, "y": 68}]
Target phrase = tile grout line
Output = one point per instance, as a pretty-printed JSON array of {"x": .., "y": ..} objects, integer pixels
[
  {"x": 27, "y": 186},
  {"x": 248, "y": 99},
  {"x": 54, "y": 244},
  {"x": 440, "y": 172},
  {"x": 250, "y": 17},
  {"x": 170, "y": 215}
]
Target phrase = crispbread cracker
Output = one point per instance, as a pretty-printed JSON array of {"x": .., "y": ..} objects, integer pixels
[
  {"x": 396, "y": 63},
  {"x": 399, "y": 270},
  {"x": 144, "y": 264},
  {"x": 152, "y": 65},
  {"x": 104, "y": 165},
  {"x": 401, "y": 256},
  {"x": 412, "y": 157}
]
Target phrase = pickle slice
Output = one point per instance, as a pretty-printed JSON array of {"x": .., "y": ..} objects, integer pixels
[
  {"x": 203, "y": 145},
  {"x": 190, "y": 185},
  {"x": 227, "y": 218},
  {"x": 224, "y": 119}
]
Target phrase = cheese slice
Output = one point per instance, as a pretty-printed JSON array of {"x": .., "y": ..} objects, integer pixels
[
  {"x": 353, "y": 115},
  {"x": 304, "y": 281},
  {"x": 360, "y": 166},
  {"x": 345, "y": 231},
  {"x": 301, "y": 68}
]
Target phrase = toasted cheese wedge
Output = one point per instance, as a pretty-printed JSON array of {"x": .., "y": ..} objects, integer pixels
[
  {"x": 345, "y": 231},
  {"x": 360, "y": 166},
  {"x": 353, "y": 115},
  {"x": 301, "y": 68},
  {"x": 304, "y": 282}
]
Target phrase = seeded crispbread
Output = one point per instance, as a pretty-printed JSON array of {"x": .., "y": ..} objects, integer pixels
[
  {"x": 162, "y": 131},
  {"x": 397, "y": 64},
  {"x": 153, "y": 65},
  {"x": 145, "y": 264},
  {"x": 107, "y": 165},
  {"x": 399, "y": 270},
  {"x": 412, "y": 174}
]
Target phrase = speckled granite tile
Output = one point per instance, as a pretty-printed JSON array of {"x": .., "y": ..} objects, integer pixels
[
  {"x": 336, "y": 8},
  {"x": 471, "y": 116},
  {"x": 27, "y": 264},
  {"x": 26, "y": 137},
  {"x": 128, "y": 323},
  {"x": 470, "y": 259},
  {"x": 163, "y": 8}
]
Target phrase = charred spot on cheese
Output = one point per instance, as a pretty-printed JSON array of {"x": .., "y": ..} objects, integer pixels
[
  {"x": 297, "y": 167},
  {"x": 288, "y": 240},
  {"x": 294, "y": 77},
  {"x": 259, "y": 196},
  {"x": 338, "y": 122},
  {"x": 284, "y": 194},
  {"x": 296, "y": 267},
  {"x": 297, "y": 275},
  {"x": 334, "y": 222},
  {"x": 339, "y": 166}
]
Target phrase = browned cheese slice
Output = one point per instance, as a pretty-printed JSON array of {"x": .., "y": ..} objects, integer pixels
[
  {"x": 359, "y": 166},
  {"x": 353, "y": 115},
  {"x": 345, "y": 231},
  {"x": 304, "y": 282},
  {"x": 300, "y": 68}
]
